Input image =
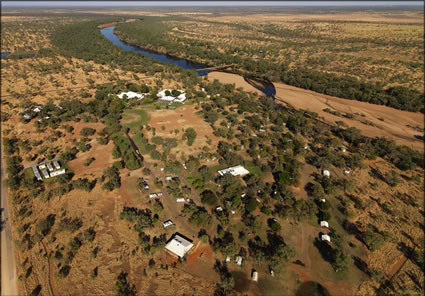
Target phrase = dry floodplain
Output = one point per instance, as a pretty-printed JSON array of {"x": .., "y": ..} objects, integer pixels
[{"x": 402, "y": 126}]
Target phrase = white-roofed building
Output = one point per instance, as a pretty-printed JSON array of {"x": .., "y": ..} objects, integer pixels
[
  {"x": 254, "y": 275},
  {"x": 37, "y": 173},
  {"x": 45, "y": 174},
  {"x": 131, "y": 95},
  {"x": 238, "y": 260},
  {"x": 164, "y": 96},
  {"x": 326, "y": 237},
  {"x": 50, "y": 167},
  {"x": 326, "y": 173},
  {"x": 56, "y": 164},
  {"x": 56, "y": 173},
  {"x": 180, "y": 200},
  {"x": 178, "y": 246},
  {"x": 235, "y": 171},
  {"x": 324, "y": 224},
  {"x": 167, "y": 223}
]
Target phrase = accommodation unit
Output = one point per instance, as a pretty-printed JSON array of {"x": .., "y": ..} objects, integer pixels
[
  {"x": 167, "y": 223},
  {"x": 326, "y": 237},
  {"x": 324, "y": 224},
  {"x": 238, "y": 260},
  {"x": 254, "y": 275},
  {"x": 42, "y": 166},
  {"x": 56, "y": 164},
  {"x": 326, "y": 173},
  {"x": 37, "y": 173},
  {"x": 180, "y": 200},
  {"x": 56, "y": 173},
  {"x": 131, "y": 95},
  {"x": 152, "y": 195},
  {"x": 179, "y": 245},
  {"x": 45, "y": 174},
  {"x": 235, "y": 171},
  {"x": 50, "y": 167}
]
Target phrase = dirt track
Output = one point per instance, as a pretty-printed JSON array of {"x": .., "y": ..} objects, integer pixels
[{"x": 8, "y": 267}]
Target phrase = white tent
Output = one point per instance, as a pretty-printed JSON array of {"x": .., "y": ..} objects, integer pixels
[
  {"x": 324, "y": 224},
  {"x": 326, "y": 173},
  {"x": 326, "y": 237}
]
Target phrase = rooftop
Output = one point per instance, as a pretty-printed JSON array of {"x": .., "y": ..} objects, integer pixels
[{"x": 179, "y": 245}]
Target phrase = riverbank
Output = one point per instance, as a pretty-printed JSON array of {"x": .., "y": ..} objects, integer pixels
[{"x": 372, "y": 120}]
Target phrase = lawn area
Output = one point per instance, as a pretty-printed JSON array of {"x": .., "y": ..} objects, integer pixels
[
  {"x": 253, "y": 169},
  {"x": 135, "y": 118}
]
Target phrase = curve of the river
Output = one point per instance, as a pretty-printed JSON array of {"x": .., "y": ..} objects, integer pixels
[{"x": 266, "y": 87}]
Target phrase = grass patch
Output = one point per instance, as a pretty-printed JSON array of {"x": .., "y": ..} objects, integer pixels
[
  {"x": 253, "y": 169},
  {"x": 140, "y": 119}
]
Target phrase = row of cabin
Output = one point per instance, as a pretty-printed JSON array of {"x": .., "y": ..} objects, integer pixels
[{"x": 54, "y": 171}]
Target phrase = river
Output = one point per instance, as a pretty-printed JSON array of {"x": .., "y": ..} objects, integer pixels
[
  {"x": 265, "y": 87},
  {"x": 4, "y": 54}
]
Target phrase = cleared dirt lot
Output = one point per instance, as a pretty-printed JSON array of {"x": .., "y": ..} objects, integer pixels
[{"x": 182, "y": 118}]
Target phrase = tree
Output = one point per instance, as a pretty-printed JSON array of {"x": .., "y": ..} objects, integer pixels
[
  {"x": 251, "y": 205},
  {"x": 189, "y": 135},
  {"x": 123, "y": 287},
  {"x": 87, "y": 131},
  {"x": 372, "y": 239},
  {"x": 208, "y": 197}
]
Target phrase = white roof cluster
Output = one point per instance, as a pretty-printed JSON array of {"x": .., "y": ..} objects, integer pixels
[
  {"x": 130, "y": 95},
  {"x": 179, "y": 99}
]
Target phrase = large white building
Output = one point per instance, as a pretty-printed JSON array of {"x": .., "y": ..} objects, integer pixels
[
  {"x": 235, "y": 171},
  {"x": 179, "y": 99},
  {"x": 178, "y": 246},
  {"x": 131, "y": 95}
]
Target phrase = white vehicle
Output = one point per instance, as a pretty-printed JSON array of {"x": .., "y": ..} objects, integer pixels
[
  {"x": 219, "y": 209},
  {"x": 168, "y": 178},
  {"x": 180, "y": 200}
]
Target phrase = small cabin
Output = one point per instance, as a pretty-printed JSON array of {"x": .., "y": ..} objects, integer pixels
[
  {"x": 238, "y": 260},
  {"x": 254, "y": 275},
  {"x": 326, "y": 173},
  {"x": 324, "y": 224},
  {"x": 326, "y": 237}
]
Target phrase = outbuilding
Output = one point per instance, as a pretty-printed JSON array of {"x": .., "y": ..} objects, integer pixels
[
  {"x": 324, "y": 224},
  {"x": 326, "y": 173},
  {"x": 235, "y": 171},
  {"x": 167, "y": 223},
  {"x": 238, "y": 260},
  {"x": 254, "y": 275},
  {"x": 326, "y": 237},
  {"x": 178, "y": 245}
]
